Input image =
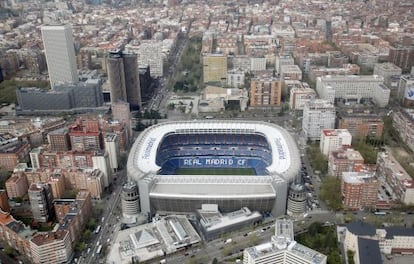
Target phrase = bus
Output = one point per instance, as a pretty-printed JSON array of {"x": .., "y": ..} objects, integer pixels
[
  {"x": 380, "y": 213},
  {"x": 98, "y": 229},
  {"x": 98, "y": 251}
]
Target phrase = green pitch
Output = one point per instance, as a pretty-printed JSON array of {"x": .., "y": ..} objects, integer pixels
[{"x": 215, "y": 171}]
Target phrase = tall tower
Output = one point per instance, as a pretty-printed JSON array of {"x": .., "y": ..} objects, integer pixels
[
  {"x": 60, "y": 54},
  {"x": 123, "y": 77},
  {"x": 116, "y": 76}
]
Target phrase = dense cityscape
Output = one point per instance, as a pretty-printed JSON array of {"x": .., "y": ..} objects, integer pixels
[{"x": 207, "y": 131}]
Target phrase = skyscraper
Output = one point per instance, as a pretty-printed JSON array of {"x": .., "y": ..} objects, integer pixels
[
  {"x": 60, "y": 54},
  {"x": 123, "y": 77}
]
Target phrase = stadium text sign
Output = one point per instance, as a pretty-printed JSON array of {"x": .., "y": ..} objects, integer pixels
[
  {"x": 147, "y": 150},
  {"x": 280, "y": 150},
  {"x": 212, "y": 162}
]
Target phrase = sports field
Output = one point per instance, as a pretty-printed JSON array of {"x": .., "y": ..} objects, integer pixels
[{"x": 215, "y": 171}]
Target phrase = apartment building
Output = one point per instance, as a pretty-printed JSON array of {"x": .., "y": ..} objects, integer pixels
[
  {"x": 15, "y": 234},
  {"x": 396, "y": 181},
  {"x": 74, "y": 214},
  {"x": 41, "y": 202},
  {"x": 347, "y": 160},
  {"x": 317, "y": 115},
  {"x": 403, "y": 122},
  {"x": 290, "y": 72},
  {"x": 13, "y": 153},
  {"x": 17, "y": 185},
  {"x": 334, "y": 140},
  {"x": 299, "y": 96},
  {"x": 361, "y": 124},
  {"x": 52, "y": 247},
  {"x": 59, "y": 139},
  {"x": 359, "y": 190},
  {"x": 265, "y": 91}
]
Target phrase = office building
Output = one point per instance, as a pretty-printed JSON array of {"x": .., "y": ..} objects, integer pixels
[
  {"x": 282, "y": 249},
  {"x": 352, "y": 89},
  {"x": 150, "y": 54},
  {"x": 123, "y": 78},
  {"x": 347, "y": 160},
  {"x": 386, "y": 70},
  {"x": 60, "y": 54},
  {"x": 406, "y": 91},
  {"x": 334, "y": 140},
  {"x": 214, "y": 68},
  {"x": 41, "y": 202},
  {"x": 359, "y": 190},
  {"x": 214, "y": 224},
  {"x": 265, "y": 91},
  {"x": 389, "y": 240},
  {"x": 52, "y": 247},
  {"x": 317, "y": 115},
  {"x": 79, "y": 97}
]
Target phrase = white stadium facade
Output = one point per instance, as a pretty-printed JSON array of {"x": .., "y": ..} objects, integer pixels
[{"x": 269, "y": 150}]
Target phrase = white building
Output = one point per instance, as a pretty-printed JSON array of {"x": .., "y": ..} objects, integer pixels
[
  {"x": 102, "y": 163},
  {"x": 334, "y": 140},
  {"x": 257, "y": 64},
  {"x": 149, "y": 53},
  {"x": 52, "y": 247},
  {"x": 283, "y": 249},
  {"x": 317, "y": 115},
  {"x": 112, "y": 148},
  {"x": 353, "y": 89},
  {"x": 386, "y": 70},
  {"x": 282, "y": 60},
  {"x": 300, "y": 96},
  {"x": 235, "y": 78},
  {"x": 60, "y": 54}
]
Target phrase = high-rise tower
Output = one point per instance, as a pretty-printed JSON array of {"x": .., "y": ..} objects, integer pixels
[
  {"x": 60, "y": 54},
  {"x": 123, "y": 77}
]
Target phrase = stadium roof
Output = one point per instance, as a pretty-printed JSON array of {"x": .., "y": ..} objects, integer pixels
[{"x": 285, "y": 154}]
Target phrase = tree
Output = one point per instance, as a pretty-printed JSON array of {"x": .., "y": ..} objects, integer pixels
[
  {"x": 86, "y": 234},
  {"x": 81, "y": 246},
  {"x": 331, "y": 192},
  {"x": 215, "y": 261}
]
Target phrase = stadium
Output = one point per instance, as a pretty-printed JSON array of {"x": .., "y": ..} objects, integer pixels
[{"x": 180, "y": 165}]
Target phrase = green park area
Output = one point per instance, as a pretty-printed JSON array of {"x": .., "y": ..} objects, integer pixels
[
  {"x": 187, "y": 77},
  {"x": 8, "y": 89}
]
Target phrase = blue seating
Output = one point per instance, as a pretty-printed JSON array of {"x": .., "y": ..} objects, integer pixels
[{"x": 175, "y": 148}]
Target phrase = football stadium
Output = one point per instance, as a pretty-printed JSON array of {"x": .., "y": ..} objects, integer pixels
[{"x": 180, "y": 165}]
